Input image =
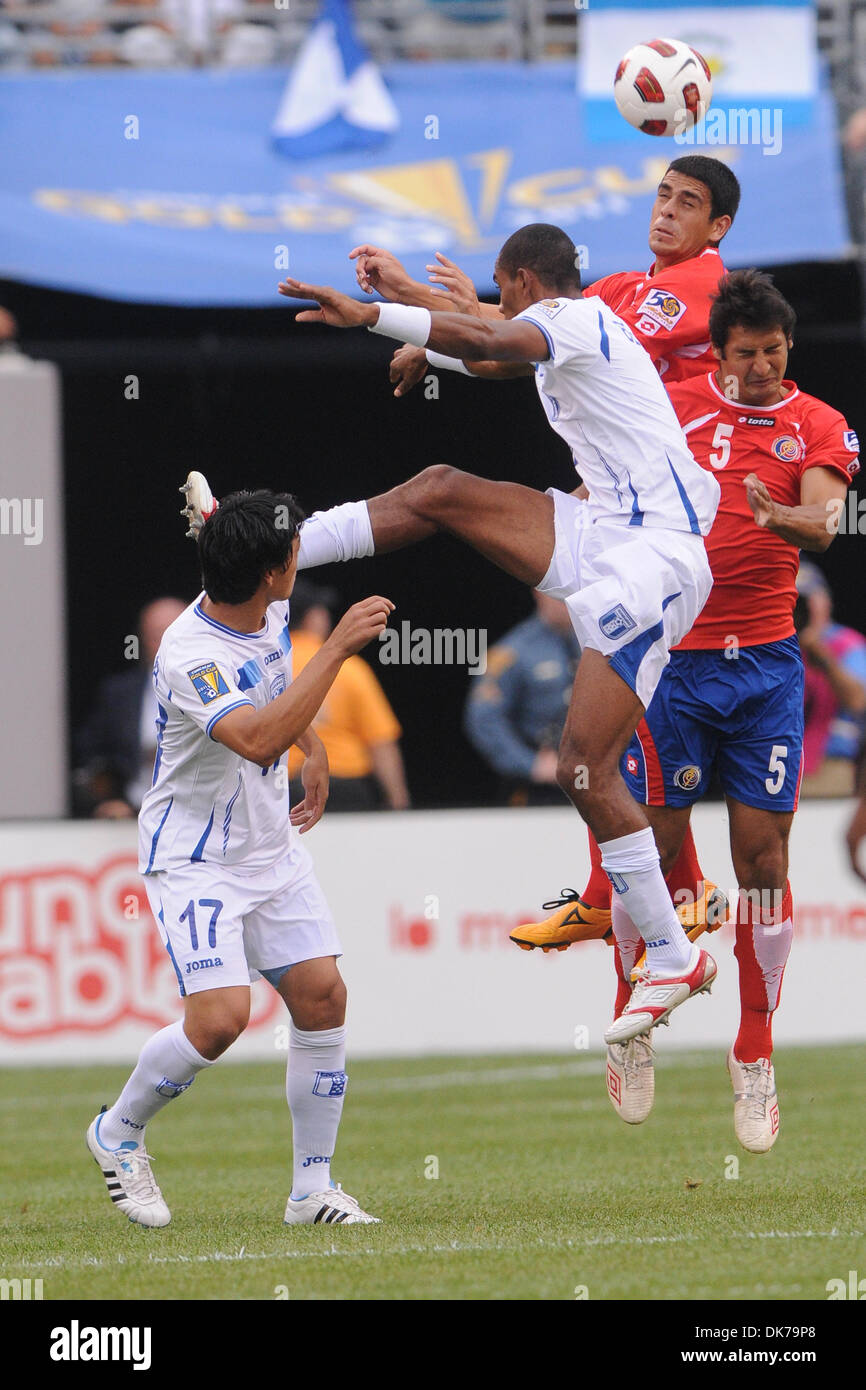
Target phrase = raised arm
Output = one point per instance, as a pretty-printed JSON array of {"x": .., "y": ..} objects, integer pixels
[
  {"x": 263, "y": 735},
  {"x": 456, "y": 335},
  {"x": 379, "y": 270}
]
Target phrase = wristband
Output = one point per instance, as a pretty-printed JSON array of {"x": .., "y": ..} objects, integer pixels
[
  {"x": 403, "y": 321},
  {"x": 447, "y": 364}
]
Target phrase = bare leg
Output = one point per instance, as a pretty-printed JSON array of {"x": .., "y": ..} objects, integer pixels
[
  {"x": 509, "y": 524},
  {"x": 669, "y": 824},
  {"x": 603, "y": 714},
  {"x": 214, "y": 1018},
  {"x": 759, "y": 846},
  {"x": 314, "y": 994},
  {"x": 602, "y": 717}
]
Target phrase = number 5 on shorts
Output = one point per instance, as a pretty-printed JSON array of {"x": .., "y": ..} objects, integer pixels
[
  {"x": 777, "y": 767},
  {"x": 188, "y": 915}
]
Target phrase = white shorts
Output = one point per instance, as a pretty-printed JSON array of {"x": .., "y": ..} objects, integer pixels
[
  {"x": 632, "y": 592},
  {"x": 222, "y": 927}
]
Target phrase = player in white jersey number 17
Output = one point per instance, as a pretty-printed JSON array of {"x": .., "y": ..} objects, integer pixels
[
  {"x": 231, "y": 887},
  {"x": 630, "y": 563}
]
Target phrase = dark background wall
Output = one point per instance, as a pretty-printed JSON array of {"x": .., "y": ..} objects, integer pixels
[{"x": 252, "y": 399}]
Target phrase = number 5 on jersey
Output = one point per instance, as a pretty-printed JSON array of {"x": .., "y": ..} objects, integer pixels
[{"x": 722, "y": 442}]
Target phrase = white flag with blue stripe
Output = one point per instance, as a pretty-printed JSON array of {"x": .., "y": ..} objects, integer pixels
[{"x": 335, "y": 98}]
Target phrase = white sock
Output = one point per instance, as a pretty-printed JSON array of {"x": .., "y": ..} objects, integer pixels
[
  {"x": 315, "y": 1085},
  {"x": 166, "y": 1068},
  {"x": 341, "y": 533},
  {"x": 632, "y": 865},
  {"x": 628, "y": 938}
]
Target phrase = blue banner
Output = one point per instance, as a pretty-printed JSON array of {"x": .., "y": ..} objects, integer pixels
[{"x": 165, "y": 187}]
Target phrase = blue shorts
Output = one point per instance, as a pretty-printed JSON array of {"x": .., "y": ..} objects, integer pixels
[{"x": 743, "y": 715}]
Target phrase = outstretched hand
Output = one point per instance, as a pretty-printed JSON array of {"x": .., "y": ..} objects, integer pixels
[
  {"x": 335, "y": 309},
  {"x": 379, "y": 270},
  {"x": 462, "y": 298}
]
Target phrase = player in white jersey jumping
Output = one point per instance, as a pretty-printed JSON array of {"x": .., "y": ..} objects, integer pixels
[
  {"x": 630, "y": 562},
  {"x": 231, "y": 887}
]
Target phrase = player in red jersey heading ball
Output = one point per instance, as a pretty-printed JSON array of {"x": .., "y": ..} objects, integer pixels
[{"x": 732, "y": 695}]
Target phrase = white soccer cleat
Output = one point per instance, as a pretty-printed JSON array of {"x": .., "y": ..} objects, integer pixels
[
  {"x": 332, "y": 1208},
  {"x": 756, "y": 1105},
  {"x": 131, "y": 1185},
  {"x": 631, "y": 1079},
  {"x": 200, "y": 502},
  {"x": 655, "y": 997}
]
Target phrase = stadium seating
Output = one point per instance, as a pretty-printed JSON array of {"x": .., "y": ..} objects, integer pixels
[{"x": 164, "y": 33}]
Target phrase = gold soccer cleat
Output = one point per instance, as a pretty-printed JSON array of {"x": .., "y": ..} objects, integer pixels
[
  {"x": 707, "y": 913},
  {"x": 575, "y": 921}
]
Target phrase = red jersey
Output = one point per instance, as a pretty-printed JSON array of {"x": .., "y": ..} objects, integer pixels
[
  {"x": 669, "y": 311},
  {"x": 754, "y": 570}
]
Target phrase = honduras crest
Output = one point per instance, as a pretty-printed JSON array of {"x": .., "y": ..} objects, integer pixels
[{"x": 335, "y": 98}]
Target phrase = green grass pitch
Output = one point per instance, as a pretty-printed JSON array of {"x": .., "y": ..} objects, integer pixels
[{"x": 542, "y": 1193}]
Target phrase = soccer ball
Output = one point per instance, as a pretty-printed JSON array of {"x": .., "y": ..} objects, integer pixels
[{"x": 663, "y": 86}]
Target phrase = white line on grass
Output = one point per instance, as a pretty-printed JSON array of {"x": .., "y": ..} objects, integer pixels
[
  {"x": 452, "y": 1247},
  {"x": 496, "y": 1076},
  {"x": 431, "y": 1081},
  {"x": 434, "y": 1081},
  {"x": 490, "y": 1076}
]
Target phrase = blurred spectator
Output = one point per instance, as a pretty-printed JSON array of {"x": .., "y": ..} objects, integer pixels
[
  {"x": 8, "y": 333},
  {"x": 13, "y": 50},
  {"x": 459, "y": 29},
  {"x": 356, "y": 724},
  {"x": 12, "y": 359},
  {"x": 147, "y": 46},
  {"x": 195, "y": 22},
  {"x": 856, "y": 832},
  {"x": 248, "y": 45},
  {"x": 854, "y": 134},
  {"x": 515, "y": 713},
  {"x": 835, "y": 699},
  {"x": 117, "y": 745},
  {"x": 154, "y": 42}
]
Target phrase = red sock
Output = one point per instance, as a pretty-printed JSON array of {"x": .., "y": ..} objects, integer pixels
[
  {"x": 686, "y": 875},
  {"x": 598, "y": 890},
  {"x": 623, "y": 985},
  {"x": 627, "y": 949},
  {"x": 764, "y": 935}
]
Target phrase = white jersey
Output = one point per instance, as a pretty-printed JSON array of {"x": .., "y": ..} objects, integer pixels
[
  {"x": 208, "y": 804},
  {"x": 604, "y": 397}
]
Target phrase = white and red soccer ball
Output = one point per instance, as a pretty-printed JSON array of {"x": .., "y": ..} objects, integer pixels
[{"x": 663, "y": 87}]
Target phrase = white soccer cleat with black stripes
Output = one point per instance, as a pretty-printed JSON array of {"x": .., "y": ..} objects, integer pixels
[
  {"x": 131, "y": 1185},
  {"x": 332, "y": 1208},
  {"x": 200, "y": 503},
  {"x": 655, "y": 996},
  {"x": 630, "y": 1079}
]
